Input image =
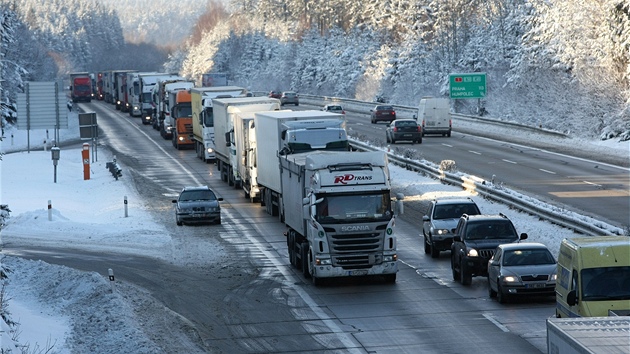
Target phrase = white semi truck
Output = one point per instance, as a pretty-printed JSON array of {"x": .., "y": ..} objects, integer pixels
[
  {"x": 203, "y": 117},
  {"x": 339, "y": 213},
  {"x": 288, "y": 132},
  {"x": 164, "y": 97},
  {"x": 225, "y": 110}
]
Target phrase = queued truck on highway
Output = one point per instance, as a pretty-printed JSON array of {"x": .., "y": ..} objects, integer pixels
[
  {"x": 146, "y": 83},
  {"x": 339, "y": 214},
  {"x": 288, "y": 132},
  {"x": 164, "y": 99},
  {"x": 203, "y": 117},
  {"x": 226, "y": 130},
  {"x": 81, "y": 87},
  {"x": 181, "y": 119}
]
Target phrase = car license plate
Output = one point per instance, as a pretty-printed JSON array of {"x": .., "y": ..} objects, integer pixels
[
  {"x": 535, "y": 286},
  {"x": 430, "y": 123},
  {"x": 358, "y": 272},
  {"x": 407, "y": 135}
]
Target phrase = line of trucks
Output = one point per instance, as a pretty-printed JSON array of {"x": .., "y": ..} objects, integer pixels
[{"x": 335, "y": 202}]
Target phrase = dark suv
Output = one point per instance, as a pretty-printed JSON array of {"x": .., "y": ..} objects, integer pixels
[
  {"x": 474, "y": 241},
  {"x": 439, "y": 221}
]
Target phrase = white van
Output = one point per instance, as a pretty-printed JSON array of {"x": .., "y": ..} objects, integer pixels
[
  {"x": 593, "y": 277},
  {"x": 435, "y": 115}
]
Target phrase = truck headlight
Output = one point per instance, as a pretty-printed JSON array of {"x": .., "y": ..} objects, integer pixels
[
  {"x": 391, "y": 258},
  {"x": 323, "y": 261},
  {"x": 472, "y": 253},
  {"x": 210, "y": 150}
]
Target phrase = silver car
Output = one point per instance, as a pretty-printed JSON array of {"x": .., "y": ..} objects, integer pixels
[
  {"x": 197, "y": 205},
  {"x": 441, "y": 217},
  {"x": 521, "y": 269},
  {"x": 289, "y": 97}
]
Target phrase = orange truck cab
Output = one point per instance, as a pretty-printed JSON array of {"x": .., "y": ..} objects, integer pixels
[{"x": 182, "y": 114}]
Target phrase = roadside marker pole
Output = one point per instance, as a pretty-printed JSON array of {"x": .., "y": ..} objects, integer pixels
[
  {"x": 111, "y": 278},
  {"x": 126, "y": 213},
  {"x": 49, "y": 210}
]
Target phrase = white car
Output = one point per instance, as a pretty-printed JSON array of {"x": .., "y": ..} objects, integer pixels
[{"x": 334, "y": 108}]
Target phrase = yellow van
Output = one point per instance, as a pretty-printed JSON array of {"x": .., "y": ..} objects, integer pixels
[{"x": 593, "y": 277}]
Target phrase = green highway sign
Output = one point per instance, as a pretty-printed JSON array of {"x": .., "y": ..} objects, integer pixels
[{"x": 468, "y": 85}]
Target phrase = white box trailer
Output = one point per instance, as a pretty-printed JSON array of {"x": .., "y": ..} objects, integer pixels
[
  {"x": 339, "y": 212},
  {"x": 203, "y": 117},
  {"x": 588, "y": 335},
  {"x": 224, "y": 110},
  {"x": 287, "y": 132}
]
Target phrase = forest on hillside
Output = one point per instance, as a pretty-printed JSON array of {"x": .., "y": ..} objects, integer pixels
[{"x": 559, "y": 64}]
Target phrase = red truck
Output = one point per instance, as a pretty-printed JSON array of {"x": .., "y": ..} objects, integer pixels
[{"x": 81, "y": 87}]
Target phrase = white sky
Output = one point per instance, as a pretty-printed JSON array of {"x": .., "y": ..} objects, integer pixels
[{"x": 41, "y": 295}]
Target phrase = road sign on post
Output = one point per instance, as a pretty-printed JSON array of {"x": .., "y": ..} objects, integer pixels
[{"x": 467, "y": 85}]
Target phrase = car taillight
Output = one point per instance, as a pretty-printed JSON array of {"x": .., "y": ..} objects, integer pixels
[
  {"x": 395, "y": 129},
  {"x": 419, "y": 129}
]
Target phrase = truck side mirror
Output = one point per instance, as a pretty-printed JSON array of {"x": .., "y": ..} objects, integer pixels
[
  {"x": 572, "y": 298},
  {"x": 227, "y": 139}
]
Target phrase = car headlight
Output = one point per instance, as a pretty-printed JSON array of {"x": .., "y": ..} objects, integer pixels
[
  {"x": 441, "y": 231},
  {"x": 510, "y": 279},
  {"x": 553, "y": 277},
  {"x": 473, "y": 253}
]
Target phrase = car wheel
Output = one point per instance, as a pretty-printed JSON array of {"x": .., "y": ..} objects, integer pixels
[
  {"x": 427, "y": 247},
  {"x": 435, "y": 252},
  {"x": 373, "y": 122},
  {"x": 501, "y": 296},
  {"x": 453, "y": 270},
  {"x": 393, "y": 140},
  {"x": 420, "y": 141},
  {"x": 491, "y": 292},
  {"x": 179, "y": 223},
  {"x": 218, "y": 222},
  {"x": 387, "y": 139},
  {"x": 464, "y": 274}
]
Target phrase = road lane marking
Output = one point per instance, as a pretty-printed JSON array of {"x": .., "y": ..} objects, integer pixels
[
  {"x": 547, "y": 171},
  {"x": 508, "y": 161},
  {"x": 447, "y": 145},
  {"x": 496, "y": 323},
  {"x": 474, "y": 152}
]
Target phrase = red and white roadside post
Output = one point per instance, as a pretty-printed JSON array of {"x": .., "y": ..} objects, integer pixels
[{"x": 85, "y": 154}]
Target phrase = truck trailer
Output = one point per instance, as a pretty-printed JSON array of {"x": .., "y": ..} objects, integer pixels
[
  {"x": 288, "y": 132},
  {"x": 203, "y": 117},
  {"x": 588, "y": 335},
  {"x": 224, "y": 110},
  {"x": 339, "y": 214},
  {"x": 81, "y": 87}
]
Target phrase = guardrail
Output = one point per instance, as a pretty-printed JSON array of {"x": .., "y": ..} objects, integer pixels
[
  {"x": 557, "y": 215},
  {"x": 357, "y": 106}
]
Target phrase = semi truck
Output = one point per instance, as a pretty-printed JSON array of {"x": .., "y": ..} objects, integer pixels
[
  {"x": 164, "y": 99},
  {"x": 588, "y": 335},
  {"x": 133, "y": 92},
  {"x": 214, "y": 79},
  {"x": 146, "y": 82},
  {"x": 339, "y": 214},
  {"x": 181, "y": 116},
  {"x": 224, "y": 110},
  {"x": 287, "y": 132},
  {"x": 203, "y": 117},
  {"x": 80, "y": 87}
]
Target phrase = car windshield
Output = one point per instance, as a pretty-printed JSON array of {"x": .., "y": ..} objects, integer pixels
[
  {"x": 606, "y": 283},
  {"x": 454, "y": 211},
  {"x": 353, "y": 208},
  {"x": 335, "y": 108},
  {"x": 489, "y": 230},
  {"x": 384, "y": 108},
  {"x": 197, "y": 195},
  {"x": 527, "y": 257}
]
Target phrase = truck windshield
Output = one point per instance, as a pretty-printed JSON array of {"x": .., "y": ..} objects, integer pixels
[
  {"x": 182, "y": 110},
  {"x": 343, "y": 208},
  {"x": 208, "y": 119},
  {"x": 606, "y": 283}
]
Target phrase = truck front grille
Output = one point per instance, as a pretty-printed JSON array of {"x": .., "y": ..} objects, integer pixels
[{"x": 352, "y": 251}]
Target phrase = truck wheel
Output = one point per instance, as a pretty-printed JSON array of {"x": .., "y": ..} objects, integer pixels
[
  {"x": 390, "y": 278},
  {"x": 464, "y": 274},
  {"x": 304, "y": 261}
]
